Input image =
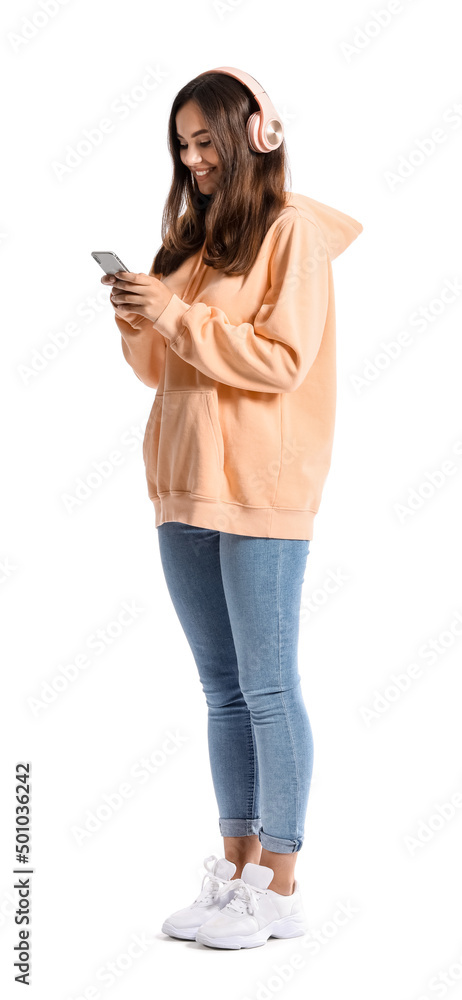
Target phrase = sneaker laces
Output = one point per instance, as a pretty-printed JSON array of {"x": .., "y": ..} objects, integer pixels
[
  {"x": 209, "y": 893},
  {"x": 246, "y": 898}
]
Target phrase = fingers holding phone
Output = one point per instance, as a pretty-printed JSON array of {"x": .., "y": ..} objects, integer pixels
[
  {"x": 111, "y": 264},
  {"x": 141, "y": 295},
  {"x": 134, "y": 319}
]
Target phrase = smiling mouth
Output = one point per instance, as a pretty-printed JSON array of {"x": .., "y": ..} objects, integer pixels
[{"x": 203, "y": 173}]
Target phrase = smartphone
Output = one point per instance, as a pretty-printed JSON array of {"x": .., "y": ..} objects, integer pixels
[{"x": 109, "y": 261}]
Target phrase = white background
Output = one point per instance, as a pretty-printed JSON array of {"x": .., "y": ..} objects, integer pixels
[{"x": 374, "y": 841}]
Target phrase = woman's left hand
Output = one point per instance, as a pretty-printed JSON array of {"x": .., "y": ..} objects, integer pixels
[{"x": 140, "y": 293}]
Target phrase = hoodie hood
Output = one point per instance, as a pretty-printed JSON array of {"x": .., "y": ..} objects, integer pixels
[{"x": 338, "y": 228}]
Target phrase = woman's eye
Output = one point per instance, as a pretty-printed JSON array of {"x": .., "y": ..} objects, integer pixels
[{"x": 200, "y": 144}]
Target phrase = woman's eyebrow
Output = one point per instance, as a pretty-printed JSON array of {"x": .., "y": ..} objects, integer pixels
[{"x": 200, "y": 132}]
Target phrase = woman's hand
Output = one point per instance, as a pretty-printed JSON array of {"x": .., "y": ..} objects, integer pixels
[{"x": 137, "y": 294}]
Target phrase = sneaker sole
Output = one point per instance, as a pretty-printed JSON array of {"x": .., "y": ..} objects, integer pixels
[
  {"x": 286, "y": 927},
  {"x": 186, "y": 934}
]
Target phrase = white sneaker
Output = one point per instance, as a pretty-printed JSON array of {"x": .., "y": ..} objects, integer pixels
[
  {"x": 217, "y": 892},
  {"x": 254, "y": 914}
]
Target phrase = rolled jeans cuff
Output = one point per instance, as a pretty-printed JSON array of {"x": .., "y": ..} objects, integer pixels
[
  {"x": 278, "y": 845},
  {"x": 239, "y": 827}
]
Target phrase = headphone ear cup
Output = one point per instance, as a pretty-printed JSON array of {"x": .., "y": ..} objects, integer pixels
[{"x": 252, "y": 127}]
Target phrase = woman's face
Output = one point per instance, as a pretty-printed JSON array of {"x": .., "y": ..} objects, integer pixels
[{"x": 196, "y": 150}]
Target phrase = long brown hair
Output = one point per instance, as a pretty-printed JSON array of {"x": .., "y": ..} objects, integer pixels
[{"x": 249, "y": 197}]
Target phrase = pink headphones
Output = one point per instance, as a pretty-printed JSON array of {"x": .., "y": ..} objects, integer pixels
[{"x": 265, "y": 131}]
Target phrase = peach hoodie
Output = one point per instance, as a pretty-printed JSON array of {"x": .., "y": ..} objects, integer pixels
[{"x": 240, "y": 433}]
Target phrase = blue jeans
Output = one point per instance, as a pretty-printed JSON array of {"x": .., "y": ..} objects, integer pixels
[{"x": 238, "y": 599}]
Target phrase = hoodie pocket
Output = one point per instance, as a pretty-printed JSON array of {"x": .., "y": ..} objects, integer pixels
[{"x": 183, "y": 444}]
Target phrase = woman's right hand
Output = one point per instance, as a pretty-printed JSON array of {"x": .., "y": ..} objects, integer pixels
[{"x": 132, "y": 318}]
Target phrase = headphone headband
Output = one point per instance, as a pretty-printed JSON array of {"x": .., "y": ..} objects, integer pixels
[{"x": 264, "y": 129}]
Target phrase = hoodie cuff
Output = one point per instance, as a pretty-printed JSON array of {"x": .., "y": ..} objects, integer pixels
[{"x": 169, "y": 323}]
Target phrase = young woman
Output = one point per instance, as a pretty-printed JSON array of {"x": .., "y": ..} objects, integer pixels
[{"x": 234, "y": 326}]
